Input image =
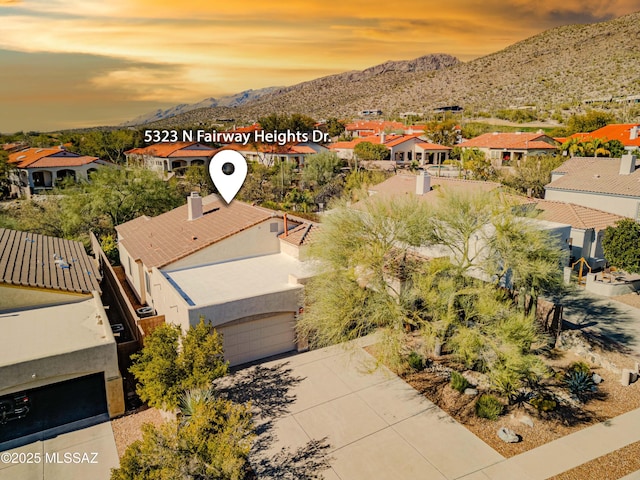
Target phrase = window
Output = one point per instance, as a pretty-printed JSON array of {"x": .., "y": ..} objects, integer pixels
[
  {"x": 273, "y": 227},
  {"x": 129, "y": 263},
  {"x": 147, "y": 282}
]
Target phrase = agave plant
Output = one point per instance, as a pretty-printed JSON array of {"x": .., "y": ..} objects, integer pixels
[{"x": 580, "y": 384}]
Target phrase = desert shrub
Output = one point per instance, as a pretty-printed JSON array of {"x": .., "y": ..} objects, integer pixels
[
  {"x": 579, "y": 367},
  {"x": 458, "y": 382},
  {"x": 489, "y": 407},
  {"x": 543, "y": 403},
  {"x": 580, "y": 384},
  {"x": 416, "y": 361}
]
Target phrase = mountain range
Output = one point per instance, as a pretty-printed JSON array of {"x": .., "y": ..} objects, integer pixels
[{"x": 556, "y": 69}]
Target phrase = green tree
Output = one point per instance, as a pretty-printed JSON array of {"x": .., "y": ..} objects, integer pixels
[
  {"x": 117, "y": 195},
  {"x": 371, "y": 151},
  {"x": 281, "y": 122},
  {"x": 616, "y": 148},
  {"x": 442, "y": 133},
  {"x": 320, "y": 168},
  {"x": 477, "y": 164},
  {"x": 621, "y": 245},
  {"x": 212, "y": 439},
  {"x": 590, "y": 121},
  {"x": 6, "y": 170},
  {"x": 197, "y": 178},
  {"x": 105, "y": 144},
  {"x": 533, "y": 173},
  {"x": 171, "y": 363},
  {"x": 370, "y": 278},
  {"x": 335, "y": 127}
]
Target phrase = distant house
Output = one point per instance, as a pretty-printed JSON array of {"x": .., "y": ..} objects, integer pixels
[
  {"x": 169, "y": 157},
  {"x": 270, "y": 154},
  {"x": 56, "y": 344},
  {"x": 587, "y": 227},
  {"x": 608, "y": 184},
  {"x": 403, "y": 149},
  {"x": 626, "y": 133},
  {"x": 237, "y": 265},
  {"x": 506, "y": 149},
  {"x": 41, "y": 169},
  {"x": 372, "y": 127}
]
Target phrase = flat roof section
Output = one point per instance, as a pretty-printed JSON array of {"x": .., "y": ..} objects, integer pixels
[
  {"x": 43, "y": 332},
  {"x": 238, "y": 279}
]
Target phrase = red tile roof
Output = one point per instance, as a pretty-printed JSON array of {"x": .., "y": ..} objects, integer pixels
[
  {"x": 39, "y": 261},
  {"x": 174, "y": 149},
  {"x": 511, "y": 141},
  {"x": 575, "y": 215},
  {"x": 432, "y": 146},
  {"x": 620, "y": 131},
  {"x": 301, "y": 235},
  {"x": 164, "y": 239},
  {"x": 49, "y": 157}
]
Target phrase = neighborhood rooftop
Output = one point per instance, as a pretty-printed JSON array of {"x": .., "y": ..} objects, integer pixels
[
  {"x": 38, "y": 261},
  {"x": 164, "y": 239},
  {"x": 48, "y": 158},
  {"x": 597, "y": 175},
  {"x": 575, "y": 215}
]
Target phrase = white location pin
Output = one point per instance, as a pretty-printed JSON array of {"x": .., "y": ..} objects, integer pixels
[{"x": 228, "y": 169}]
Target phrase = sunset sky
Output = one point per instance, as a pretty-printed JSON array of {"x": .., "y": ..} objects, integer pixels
[{"x": 74, "y": 63}]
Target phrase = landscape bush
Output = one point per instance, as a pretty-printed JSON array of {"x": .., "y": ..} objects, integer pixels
[
  {"x": 489, "y": 407},
  {"x": 543, "y": 403},
  {"x": 458, "y": 382},
  {"x": 579, "y": 367},
  {"x": 416, "y": 361}
]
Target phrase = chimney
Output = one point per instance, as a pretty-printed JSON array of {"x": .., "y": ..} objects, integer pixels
[
  {"x": 383, "y": 137},
  {"x": 633, "y": 133},
  {"x": 423, "y": 183},
  {"x": 194, "y": 206},
  {"x": 627, "y": 164}
]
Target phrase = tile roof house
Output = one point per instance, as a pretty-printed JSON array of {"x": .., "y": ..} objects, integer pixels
[
  {"x": 270, "y": 154},
  {"x": 403, "y": 149},
  {"x": 505, "y": 149},
  {"x": 54, "y": 326},
  {"x": 627, "y": 133},
  {"x": 608, "y": 184},
  {"x": 40, "y": 169},
  {"x": 170, "y": 156},
  {"x": 230, "y": 263},
  {"x": 587, "y": 227}
]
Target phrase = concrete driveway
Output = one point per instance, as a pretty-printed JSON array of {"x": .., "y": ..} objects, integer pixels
[
  {"x": 327, "y": 408},
  {"x": 86, "y": 453}
]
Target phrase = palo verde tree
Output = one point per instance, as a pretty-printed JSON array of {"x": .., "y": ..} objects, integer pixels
[
  {"x": 532, "y": 174},
  {"x": 373, "y": 275},
  {"x": 172, "y": 362}
]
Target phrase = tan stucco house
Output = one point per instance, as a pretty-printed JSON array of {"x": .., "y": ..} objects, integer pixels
[
  {"x": 56, "y": 336},
  {"x": 608, "y": 184},
  {"x": 234, "y": 265}
]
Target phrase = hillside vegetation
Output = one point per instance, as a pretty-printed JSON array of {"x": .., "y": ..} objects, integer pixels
[{"x": 556, "y": 69}]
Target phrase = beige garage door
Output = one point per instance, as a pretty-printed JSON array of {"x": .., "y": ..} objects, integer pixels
[{"x": 255, "y": 339}]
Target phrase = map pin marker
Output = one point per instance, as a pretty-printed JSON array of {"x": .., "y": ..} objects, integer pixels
[{"x": 228, "y": 169}]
